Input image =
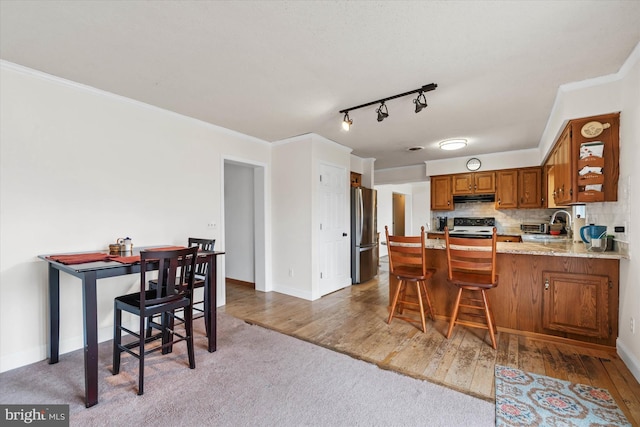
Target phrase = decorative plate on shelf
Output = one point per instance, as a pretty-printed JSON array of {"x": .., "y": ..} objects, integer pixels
[{"x": 593, "y": 129}]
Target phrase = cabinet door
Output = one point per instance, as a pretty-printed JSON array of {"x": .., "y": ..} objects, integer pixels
[
  {"x": 507, "y": 189},
  {"x": 530, "y": 188},
  {"x": 484, "y": 182},
  {"x": 441, "y": 199},
  {"x": 563, "y": 169},
  {"x": 576, "y": 303},
  {"x": 463, "y": 184}
]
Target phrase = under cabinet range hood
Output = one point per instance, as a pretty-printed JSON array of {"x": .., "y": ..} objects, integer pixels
[{"x": 474, "y": 198}]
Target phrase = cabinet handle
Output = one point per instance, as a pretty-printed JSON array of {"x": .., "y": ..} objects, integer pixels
[
  {"x": 469, "y": 187},
  {"x": 499, "y": 202},
  {"x": 546, "y": 284},
  {"x": 448, "y": 203}
]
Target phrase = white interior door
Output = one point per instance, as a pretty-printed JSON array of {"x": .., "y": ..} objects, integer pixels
[{"x": 333, "y": 252}]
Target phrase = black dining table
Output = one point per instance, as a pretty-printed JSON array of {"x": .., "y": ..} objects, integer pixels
[{"x": 89, "y": 273}]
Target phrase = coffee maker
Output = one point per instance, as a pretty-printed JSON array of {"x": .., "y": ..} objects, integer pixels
[{"x": 441, "y": 222}]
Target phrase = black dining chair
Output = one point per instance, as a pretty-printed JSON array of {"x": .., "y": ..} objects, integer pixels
[
  {"x": 201, "y": 306},
  {"x": 176, "y": 272}
]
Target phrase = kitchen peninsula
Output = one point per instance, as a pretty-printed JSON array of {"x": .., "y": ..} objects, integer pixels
[{"x": 556, "y": 289}]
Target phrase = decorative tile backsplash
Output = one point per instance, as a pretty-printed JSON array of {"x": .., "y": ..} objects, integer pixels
[{"x": 507, "y": 220}]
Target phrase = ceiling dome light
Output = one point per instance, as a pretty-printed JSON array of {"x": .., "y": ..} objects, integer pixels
[
  {"x": 453, "y": 144},
  {"x": 346, "y": 122}
]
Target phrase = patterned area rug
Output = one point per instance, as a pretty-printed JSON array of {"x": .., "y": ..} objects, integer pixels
[{"x": 525, "y": 399}]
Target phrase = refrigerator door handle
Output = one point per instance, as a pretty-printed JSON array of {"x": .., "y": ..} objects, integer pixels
[{"x": 361, "y": 197}]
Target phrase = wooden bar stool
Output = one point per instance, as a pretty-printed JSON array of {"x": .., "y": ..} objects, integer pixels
[
  {"x": 408, "y": 263},
  {"x": 472, "y": 268}
]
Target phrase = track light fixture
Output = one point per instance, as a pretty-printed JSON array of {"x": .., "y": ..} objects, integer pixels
[
  {"x": 346, "y": 122},
  {"x": 383, "y": 112},
  {"x": 420, "y": 101}
]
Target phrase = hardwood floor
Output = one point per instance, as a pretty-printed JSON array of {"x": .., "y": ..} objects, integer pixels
[{"x": 353, "y": 321}]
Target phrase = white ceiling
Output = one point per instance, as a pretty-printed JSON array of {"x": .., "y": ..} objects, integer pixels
[{"x": 277, "y": 69}]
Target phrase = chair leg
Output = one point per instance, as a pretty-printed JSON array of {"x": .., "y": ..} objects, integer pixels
[
  {"x": 141, "y": 358},
  {"x": 188, "y": 320},
  {"x": 117, "y": 335},
  {"x": 395, "y": 301},
  {"x": 421, "y": 305},
  {"x": 490, "y": 322},
  {"x": 454, "y": 316}
]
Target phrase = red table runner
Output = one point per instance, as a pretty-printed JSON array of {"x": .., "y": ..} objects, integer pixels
[
  {"x": 72, "y": 259},
  {"x": 80, "y": 258}
]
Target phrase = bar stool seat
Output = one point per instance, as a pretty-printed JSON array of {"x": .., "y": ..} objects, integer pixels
[
  {"x": 472, "y": 268},
  {"x": 407, "y": 262}
]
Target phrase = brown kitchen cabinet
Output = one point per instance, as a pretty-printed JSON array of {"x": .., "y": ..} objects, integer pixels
[
  {"x": 519, "y": 188},
  {"x": 576, "y": 303},
  {"x": 573, "y": 177},
  {"x": 474, "y": 183},
  {"x": 509, "y": 238},
  {"x": 441, "y": 197}
]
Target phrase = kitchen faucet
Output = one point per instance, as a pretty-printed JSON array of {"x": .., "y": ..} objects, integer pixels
[{"x": 568, "y": 226}]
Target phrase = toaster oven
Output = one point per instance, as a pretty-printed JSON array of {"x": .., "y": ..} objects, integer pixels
[{"x": 539, "y": 228}]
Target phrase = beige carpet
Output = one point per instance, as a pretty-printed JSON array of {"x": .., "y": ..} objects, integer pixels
[{"x": 258, "y": 377}]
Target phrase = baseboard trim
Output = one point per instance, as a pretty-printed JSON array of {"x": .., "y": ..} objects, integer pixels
[{"x": 628, "y": 358}]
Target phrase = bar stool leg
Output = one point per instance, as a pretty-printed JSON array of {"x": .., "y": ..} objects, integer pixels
[
  {"x": 489, "y": 316},
  {"x": 395, "y": 301},
  {"x": 422, "y": 317},
  {"x": 454, "y": 316}
]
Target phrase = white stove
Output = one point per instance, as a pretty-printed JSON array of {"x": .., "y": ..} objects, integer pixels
[{"x": 479, "y": 228}]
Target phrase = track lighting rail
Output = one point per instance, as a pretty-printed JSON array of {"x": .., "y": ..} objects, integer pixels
[{"x": 425, "y": 88}]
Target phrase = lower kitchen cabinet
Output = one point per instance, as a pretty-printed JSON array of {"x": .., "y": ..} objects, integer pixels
[
  {"x": 576, "y": 303},
  {"x": 581, "y": 302}
]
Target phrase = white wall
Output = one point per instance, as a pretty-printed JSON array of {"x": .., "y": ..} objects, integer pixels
[
  {"x": 79, "y": 168},
  {"x": 295, "y": 213},
  {"x": 239, "y": 222}
]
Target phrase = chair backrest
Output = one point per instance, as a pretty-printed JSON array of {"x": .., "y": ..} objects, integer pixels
[
  {"x": 203, "y": 245},
  {"x": 471, "y": 255},
  {"x": 406, "y": 251},
  {"x": 175, "y": 272}
]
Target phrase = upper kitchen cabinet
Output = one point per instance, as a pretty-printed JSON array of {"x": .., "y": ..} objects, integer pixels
[
  {"x": 474, "y": 183},
  {"x": 583, "y": 165},
  {"x": 441, "y": 198},
  {"x": 519, "y": 188}
]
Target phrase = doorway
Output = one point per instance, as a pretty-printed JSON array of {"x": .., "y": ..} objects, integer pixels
[
  {"x": 244, "y": 212},
  {"x": 398, "y": 214}
]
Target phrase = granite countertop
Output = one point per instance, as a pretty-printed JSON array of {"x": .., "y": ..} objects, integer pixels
[{"x": 566, "y": 249}]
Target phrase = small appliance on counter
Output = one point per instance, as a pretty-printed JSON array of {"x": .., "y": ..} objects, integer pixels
[
  {"x": 441, "y": 222},
  {"x": 595, "y": 236},
  {"x": 535, "y": 228}
]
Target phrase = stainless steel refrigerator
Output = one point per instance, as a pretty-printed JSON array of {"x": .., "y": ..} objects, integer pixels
[{"x": 364, "y": 234}]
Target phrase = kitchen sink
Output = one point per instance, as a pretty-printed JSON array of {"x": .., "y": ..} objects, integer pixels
[{"x": 545, "y": 238}]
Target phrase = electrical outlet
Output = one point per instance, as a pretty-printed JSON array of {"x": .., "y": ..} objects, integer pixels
[{"x": 632, "y": 325}]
